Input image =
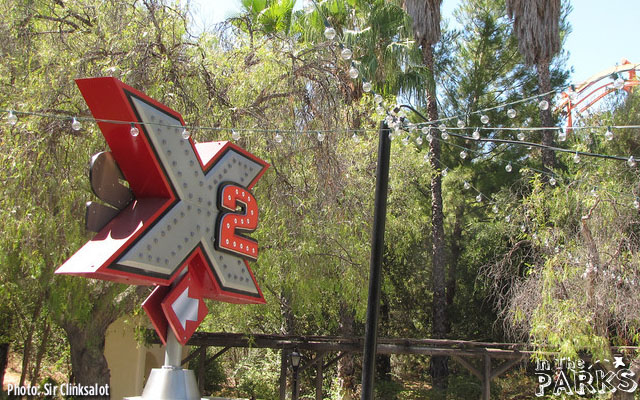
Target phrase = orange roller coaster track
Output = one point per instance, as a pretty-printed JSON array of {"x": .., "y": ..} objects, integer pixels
[{"x": 584, "y": 95}]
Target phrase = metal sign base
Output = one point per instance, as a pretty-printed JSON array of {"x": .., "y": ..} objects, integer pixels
[{"x": 170, "y": 383}]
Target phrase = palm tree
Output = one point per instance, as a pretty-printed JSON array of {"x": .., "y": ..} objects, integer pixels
[
  {"x": 426, "y": 28},
  {"x": 536, "y": 23}
]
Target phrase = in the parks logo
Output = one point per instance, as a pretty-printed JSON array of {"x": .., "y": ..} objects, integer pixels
[
  {"x": 181, "y": 223},
  {"x": 568, "y": 377}
]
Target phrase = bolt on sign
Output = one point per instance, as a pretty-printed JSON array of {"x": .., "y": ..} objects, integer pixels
[{"x": 183, "y": 220}]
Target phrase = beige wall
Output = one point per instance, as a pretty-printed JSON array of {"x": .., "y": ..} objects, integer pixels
[{"x": 129, "y": 362}]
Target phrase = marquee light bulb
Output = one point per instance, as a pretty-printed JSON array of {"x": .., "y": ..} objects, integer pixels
[
  {"x": 76, "y": 125},
  {"x": 186, "y": 134},
  {"x": 484, "y": 119},
  {"x": 12, "y": 119},
  {"x": 134, "y": 131},
  {"x": 346, "y": 54},
  {"x": 329, "y": 33}
]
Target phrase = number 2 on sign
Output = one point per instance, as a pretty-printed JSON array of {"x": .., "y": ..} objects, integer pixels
[{"x": 233, "y": 222}]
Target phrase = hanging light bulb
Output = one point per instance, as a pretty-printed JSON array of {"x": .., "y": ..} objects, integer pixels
[
  {"x": 636, "y": 204},
  {"x": 495, "y": 209},
  {"x": 346, "y": 54},
  {"x": 608, "y": 134},
  {"x": 618, "y": 83},
  {"x": 419, "y": 141},
  {"x": 507, "y": 218},
  {"x": 391, "y": 135},
  {"x": 508, "y": 167},
  {"x": 134, "y": 131},
  {"x": 11, "y": 118},
  {"x": 278, "y": 137},
  {"x": 76, "y": 125},
  {"x": 552, "y": 181},
  {"x": 366, "y": 87},
  {"x": 320, "y": 137},
  {"x": 442, "y": 127},
  {"x": 484, "y": 119},
  {"x": 479, "y": 198},
  {"x": 429, "y": 137},
  {"x": 520, "y": 136},
  {"x": 444, "y": 135},
  {"x": 329, "y": 33},
  {"x": 543, "y": 105},
  {"x": 405, "y": 141},
  {"x": 445, "y": 172},
  {"x": 511, "y": 113},
  {"x": 380, "y": 110},
  {"x": 576, "y": 158},
  {"x": 467, "y": 185},
  {"x": 463, "y": 154},
  {"x": 425, "y": 130},
  {"x": 353, "y": 72},
  {"x": 426, "y": 157},
  {"x": 562, "y": 135},
  {"x": 460, "y": 124},
  {"x": 523, "y": 228},
  {"x": 377, "y": 99},
  {"x": 476, "y": 134},
  {"x": 573, "y": 95},
  {"x": 355, "y": 138},
  {"x": 631, "y": 162}
]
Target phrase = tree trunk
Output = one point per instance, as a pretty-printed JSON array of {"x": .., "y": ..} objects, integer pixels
[
  {"x": 28, "y": 343},
  {"x": 439, "y": 369},
  {"x": 88, "y": 364},
  {"x": 42, "y": 349},
  {"x": 4, "y": 360},
  {"x": 544, "y": 82},
  {"x": 346, "y": 365}
]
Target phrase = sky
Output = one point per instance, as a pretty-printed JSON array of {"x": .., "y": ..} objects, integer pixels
[{"x": 603, "y": 32}]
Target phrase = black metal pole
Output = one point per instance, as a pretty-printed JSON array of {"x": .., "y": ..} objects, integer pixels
[{"x": 375, "y": 265}]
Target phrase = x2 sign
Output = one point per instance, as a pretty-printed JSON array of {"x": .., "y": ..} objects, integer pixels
[{"x": 186, "y": 225}]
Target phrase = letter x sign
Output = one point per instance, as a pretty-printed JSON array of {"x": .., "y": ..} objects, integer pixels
[{"x": 186, "y": 227}]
